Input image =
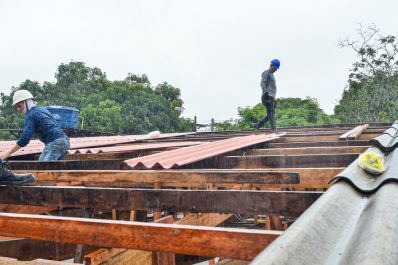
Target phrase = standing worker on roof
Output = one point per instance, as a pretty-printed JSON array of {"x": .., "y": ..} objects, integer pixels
[
  {"x": 268, "y": 85},
  {"x": 38, "y": 121}
]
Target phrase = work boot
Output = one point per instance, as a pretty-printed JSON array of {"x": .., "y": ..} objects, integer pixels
[
  {"x": 256, "y": 126},
  {"x": 7, "y": 177}
]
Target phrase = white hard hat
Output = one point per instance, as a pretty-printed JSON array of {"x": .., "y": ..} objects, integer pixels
[{"x": 21, "y": 95}]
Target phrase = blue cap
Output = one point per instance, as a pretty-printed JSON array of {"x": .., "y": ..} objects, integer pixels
[{"x": 276, "y": 63}]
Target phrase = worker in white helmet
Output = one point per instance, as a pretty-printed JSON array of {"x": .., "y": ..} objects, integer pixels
[{"x": 38, "y": 121}]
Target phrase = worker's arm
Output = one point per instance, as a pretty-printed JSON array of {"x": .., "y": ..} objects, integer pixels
[
  {"x": 264, "y": 80},
  {"x": 29, "y": 128},
  {"x": 7, "y": 154}
]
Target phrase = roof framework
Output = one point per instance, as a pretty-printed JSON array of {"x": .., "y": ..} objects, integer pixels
[{"x": 106, "y": 204}]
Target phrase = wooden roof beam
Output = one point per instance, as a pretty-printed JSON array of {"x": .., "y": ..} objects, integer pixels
[
  {"x": 190, "y": 240},
  {"x": 285, "y": 203}
]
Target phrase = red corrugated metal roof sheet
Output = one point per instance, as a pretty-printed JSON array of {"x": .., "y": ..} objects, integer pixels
[
  {"x": 133, "y": 147},
  {"x": 35, "y": 146},
  {"x": 188, "y": 155}
]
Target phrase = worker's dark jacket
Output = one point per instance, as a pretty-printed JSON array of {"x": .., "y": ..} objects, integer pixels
[
  {"x": 268, "y": 83},
  {"x": 39, "y": 121}
]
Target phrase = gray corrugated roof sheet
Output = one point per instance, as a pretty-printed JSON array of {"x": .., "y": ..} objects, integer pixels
[
  {"x": 354, "y": 222},
  {"x": 388, "y": 141}
]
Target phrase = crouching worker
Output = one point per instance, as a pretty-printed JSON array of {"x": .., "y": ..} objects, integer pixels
[{"x": 38, "y": 121}]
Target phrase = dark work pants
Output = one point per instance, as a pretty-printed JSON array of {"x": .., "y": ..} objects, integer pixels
[{"x": 270, "y": 105}]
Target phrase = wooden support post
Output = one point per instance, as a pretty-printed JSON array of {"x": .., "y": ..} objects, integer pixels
[
  {"x": 157, "y": 214},
  {"x": 133, "y": 215},
  {"x": 80, "y": 248},
  {"x": 114, "y": 214},
  {"x": 273, "y": 222}
]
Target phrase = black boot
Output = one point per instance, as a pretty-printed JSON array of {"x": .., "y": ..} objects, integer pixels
[{"x": 7, "y": 177}]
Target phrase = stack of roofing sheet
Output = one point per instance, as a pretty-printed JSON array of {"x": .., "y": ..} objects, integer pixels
[{"x": 35, "y": 146}]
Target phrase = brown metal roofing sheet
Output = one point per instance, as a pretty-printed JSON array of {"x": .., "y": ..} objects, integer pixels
[
  {"x": 188, "y": 155},
  {"x": 35, "y": 146},
  {"x": 133, "y": 147}
]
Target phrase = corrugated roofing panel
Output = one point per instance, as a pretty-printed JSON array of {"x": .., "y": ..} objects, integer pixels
[
  {"x": 188, "y": 155},
  {"x": 133, "y": 147},
  {"x": 35, "y": 146},
  {"x": 388, "y": 141},
  {"x": 367, "y": 183}
]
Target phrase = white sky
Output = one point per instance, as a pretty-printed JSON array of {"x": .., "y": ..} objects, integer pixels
[{"x": 213, "y": 50}]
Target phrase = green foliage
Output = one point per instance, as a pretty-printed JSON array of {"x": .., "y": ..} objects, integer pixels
[
  {"x": 289, "y": 112},
  {"x": 130, "y": 106},
  {"x": 372, "y": 91}
]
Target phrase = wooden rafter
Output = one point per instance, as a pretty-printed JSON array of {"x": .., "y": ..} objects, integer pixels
[
  {"x": 219, "y": 201},
  {"x": 191, "y": 240}
]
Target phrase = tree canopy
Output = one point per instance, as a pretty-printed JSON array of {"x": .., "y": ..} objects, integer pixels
[
  {"x": 372, "y": 91},
  {"x": 129, "y": 106},
  {"x": 289, "y": 112}
]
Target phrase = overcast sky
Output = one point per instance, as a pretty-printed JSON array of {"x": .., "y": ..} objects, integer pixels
[{"x": 213, "y": 50}]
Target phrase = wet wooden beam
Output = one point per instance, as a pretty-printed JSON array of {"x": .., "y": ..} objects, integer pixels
[
  {"x": 288, "y": 161},
  {"x": 28, "y": 209},
  {"x": 172, "y": 178},
  {"x": 113, "y": 164},
  {"x": 115, "y": 256},
  {"x": 200, "y": 241},
  {"x": 305, "y": 138},
  {"x": 309, "y": 150},
  {"x": 28, "y": 249},
  {"x": 318, "y": 144},
  {"x": 316, "y": 178},
  {"x": 216, "y": 201},
  {"x": 11, "y": 261}
]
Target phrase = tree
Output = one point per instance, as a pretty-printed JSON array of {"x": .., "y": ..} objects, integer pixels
[
  {"x": 172, "y": 95},
  {"x": 289, "y": 112},
  {"x": 372, "y": 91},
  {"x": 129, "y": 106}
]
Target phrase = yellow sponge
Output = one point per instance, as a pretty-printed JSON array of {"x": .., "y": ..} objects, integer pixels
[{"x": 372, "y": 163}]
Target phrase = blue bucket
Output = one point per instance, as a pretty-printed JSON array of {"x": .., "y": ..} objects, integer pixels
[{"x": 66, "y": 117}]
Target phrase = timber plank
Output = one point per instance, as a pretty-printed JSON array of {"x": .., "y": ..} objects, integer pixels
[
  {"x": 218, "y": 201},
  {"x": 172, "y": 178},
  {"x": 111, "y": 164},
  {"x": 288, "y": 161},
  {"x": 191, "y": 240},
  {"x": 11, "y": 261},
  {"x": 28, "y": 249},
  {"x": 309, "y": 138},
  {"x": 318, "y": 144},
  {"x": 309, "y": 150},
  {"x": 122, "y": 256}
]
